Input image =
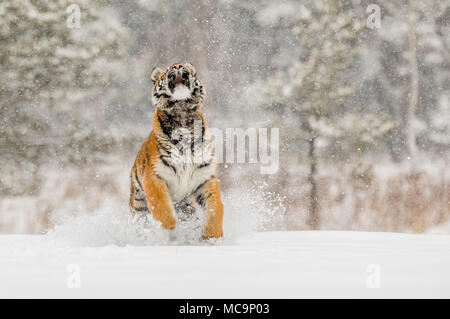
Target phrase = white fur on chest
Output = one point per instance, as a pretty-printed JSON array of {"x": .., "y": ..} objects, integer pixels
[
  {"x": 188, "y": 175},
  {"x": 181, "y": 92}
]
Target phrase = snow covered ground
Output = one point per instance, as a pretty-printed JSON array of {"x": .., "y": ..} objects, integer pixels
[{"x": 265, "y": 264}]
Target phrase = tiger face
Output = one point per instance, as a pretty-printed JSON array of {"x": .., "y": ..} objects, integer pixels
[{"x": 179, "y": 82}]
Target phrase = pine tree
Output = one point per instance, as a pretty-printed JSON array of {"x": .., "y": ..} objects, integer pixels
[
  {"x": 415, "y": 35},
  {"x": 440, "y": 124},
  {"x": 49, "y": 67},
  {"x": 314, "y": 92}
]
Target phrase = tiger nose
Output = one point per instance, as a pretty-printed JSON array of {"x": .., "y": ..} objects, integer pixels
[{"x": 177, "y": 66}]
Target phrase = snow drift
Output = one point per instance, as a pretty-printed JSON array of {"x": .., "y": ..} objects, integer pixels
[{"x": 259, "y": 265}]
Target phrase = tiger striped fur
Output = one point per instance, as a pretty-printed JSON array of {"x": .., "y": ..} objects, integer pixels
[{"x": 166, "y": 174}]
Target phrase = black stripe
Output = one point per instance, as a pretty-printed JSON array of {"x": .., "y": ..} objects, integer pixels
[
  {"x": 165, "y": 162},
  {"x": 200, "y": 186},
  {"x": 140, "y": 209},
  {"x": 164, "y": 122},
  {"x": 158, "y": 95},
  {"x": 205, "y": 164},
  {"x": 137, "y": 180},
  {"x": 201, "y": 199},
  {"x": 159, "y": 177},
  {"x": 139, "y": 199},
  {"x": 203, "y": 130},
  {"x": 146, "y": 156}
]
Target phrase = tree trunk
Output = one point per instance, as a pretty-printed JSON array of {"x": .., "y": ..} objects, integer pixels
[
  {"x": 413, "y": 96},
  {"x": 313, "y": 218}
]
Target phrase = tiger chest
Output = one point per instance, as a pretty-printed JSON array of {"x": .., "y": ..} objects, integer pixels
[{"x": 184, "y": 172}]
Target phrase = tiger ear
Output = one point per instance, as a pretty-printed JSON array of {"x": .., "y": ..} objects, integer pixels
[
  {"x": 190, "y": 67},
  {"x": 156, "y": 74}
]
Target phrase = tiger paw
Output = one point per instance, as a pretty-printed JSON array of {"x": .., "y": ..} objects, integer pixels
[
  {"x": 169, "y": 223},
  {"x": 209, "y": 233}
]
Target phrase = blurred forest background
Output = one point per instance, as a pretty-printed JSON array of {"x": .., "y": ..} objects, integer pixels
[{"x": 363, "y": 109}]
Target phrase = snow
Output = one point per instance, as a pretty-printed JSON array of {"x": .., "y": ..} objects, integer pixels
[
  {"x": 300, "y": 264},
  {"x": 442, "y": 229},
  {"x": 286, "y": 10}
]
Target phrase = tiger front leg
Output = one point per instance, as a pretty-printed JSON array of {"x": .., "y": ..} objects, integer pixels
[
  {"x": 209, "y": 198},
  {"x": 159, "y": 201}
]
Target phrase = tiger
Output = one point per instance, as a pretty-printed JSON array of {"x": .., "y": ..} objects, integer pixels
[{"x": 167, "y": 173}]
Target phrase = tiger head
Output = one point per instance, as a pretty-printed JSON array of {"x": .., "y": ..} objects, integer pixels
[{"x": 179, "y": 82}]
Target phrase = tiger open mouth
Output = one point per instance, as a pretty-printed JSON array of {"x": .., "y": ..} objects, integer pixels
[
  {"x": 179, "y": 78},
  {"x": 179, "y": 81}
]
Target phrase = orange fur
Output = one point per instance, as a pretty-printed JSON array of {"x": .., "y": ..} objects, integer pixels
[
  {"x": 156, "y": 194},
  {"x": 214, "y": 211}
]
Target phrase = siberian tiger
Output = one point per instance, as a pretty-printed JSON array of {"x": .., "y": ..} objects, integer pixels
[{"x": 167, "y": 172}]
